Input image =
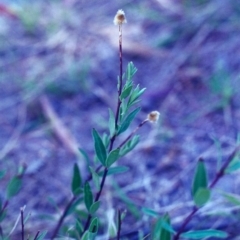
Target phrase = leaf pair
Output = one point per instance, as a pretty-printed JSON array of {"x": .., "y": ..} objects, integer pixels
[{"x": 106, "y": 159}]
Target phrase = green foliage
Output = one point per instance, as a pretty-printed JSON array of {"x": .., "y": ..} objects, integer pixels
[
  {"x": 76, "y": 180},
  {"x": 99, "y": 147},
  {"x": 111, "y": 123},
  {"x": 200, "y": 177},
  {"x": 202, "y": 196},
  {"x": 88, "y": 196},
  {"x": 14, "y": 187},
  {"x": 204, "y": 234},
  {"x": 162, "y": 229},
  {"x": 129, "y": 146},
  {"x": 127, "y": 121},
  {"x": 112, "y": 157},
  {"x": 95, "y": 206}
]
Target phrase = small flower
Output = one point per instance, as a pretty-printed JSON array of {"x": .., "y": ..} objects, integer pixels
[
  {"x": 119, "y": 18},
  {"x": 153, "y": 116}
]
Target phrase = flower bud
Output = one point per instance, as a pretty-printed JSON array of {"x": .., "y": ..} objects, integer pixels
[
  {"x": 119, "y": 18},
  {"x": 153, "y": 116}
]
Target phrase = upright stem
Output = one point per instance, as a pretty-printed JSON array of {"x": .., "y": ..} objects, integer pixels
[
  {"x": 120, "y": 76},
  {"x": 219, "y": 174},
  {"x": 112, "y": 140}
]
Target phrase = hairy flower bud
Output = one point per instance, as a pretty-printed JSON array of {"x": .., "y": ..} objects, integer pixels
[
  {"x": 119, "y": 18},
  {"x": 153, "y": 116}
]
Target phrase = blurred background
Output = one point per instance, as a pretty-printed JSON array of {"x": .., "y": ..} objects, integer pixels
[{"x": 59, "y": 68}]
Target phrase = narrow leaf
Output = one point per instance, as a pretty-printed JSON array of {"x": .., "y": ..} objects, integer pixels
[
  {"x": 115, "y": 170},
  {"x": 93, "y": 228},
  {"x": 124, "y": 126},
  {"x": 126, "y": 92},
  {"x": 234, "y": 165},
  {"x": 233, "y": 198},
  {"x": 95, "y": 177},
  {"x": 200, "y": 177},
  {"x": 131, "y": 70},
  {"x": 165, "y": 234},
  {"x": 111, "y": 122},
  {"x": 76, "y": 180},
  {"x": 202, "y": 196},
  {"x": 85, "y": 236},
  {"x": 99, "y": 147},
  {"x": 112, "y": 157},
  {"x": 88, "y": 197},
  {"x": 204, "y": 234},
  {"x": 85, "y": 155},
  {"x": 130, "y": 145},
  {"x": 150, "y": 212},
  {"x": 14, "y": 187},
  {"x": 42, "y": 235},
  {"x": 95, "y": 206}
]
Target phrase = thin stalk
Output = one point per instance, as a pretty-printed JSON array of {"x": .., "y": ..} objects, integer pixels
[
  {"x": 120, "y": 83},
  {"x": 133, "y": 132},
  {"x": 22, "y": 223},
  {"x": 4, "y": 207},
  {"x": 112, "y": 140},
  {"x": 218, "y": 176},
  {"x": 36, "y": 235},
  {"x": 61, "y": 219},
  {"x": 119, "y": 225}
]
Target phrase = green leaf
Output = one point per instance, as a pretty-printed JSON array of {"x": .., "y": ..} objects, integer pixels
[
  {"x": 202, "y": 196},
  {"x": 79, "y": 227},
  {"x": 14, "y": 187},
  {"x": 112, "y": 157},
  {"x": 111, "y": 122},
  {"x": 200, "y": 177},
  {"x": 150, "y": 212},
  {"x": 95, "y": 206},
  {"x": 93, "y": 228},
  {"x": 76, "y": 180},
  {"x": 95, "y": 177},
  {"x": 162, "y": 229},
  {"x": 204, "y": 234},
  {"x": 124, "y": 126},
  {"x": 234, "y": 165},
  {"x": 115, "y": 170},
  {"x": 130, "y": 145},
  {"x": 42, "y": 235},
  {"x": 131, "y": 70},
  {"x": 136, "y": 93},
  {"x": 85, "y": 155},
  {"x": 233, "y": 198},
  {"x": 99, "y": 147},
  {"x": 126, "y": 92},
  {"x": 88, "y": 197},
  {"x": 123, "y": 109},
  {"x": 86, "y": 236},
  {"x": 165, "y": 234}
]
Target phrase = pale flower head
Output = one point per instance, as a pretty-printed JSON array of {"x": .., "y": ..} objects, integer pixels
[
  {"x": 119, "y": 18},
  {"x": 153, "y": 116}
]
